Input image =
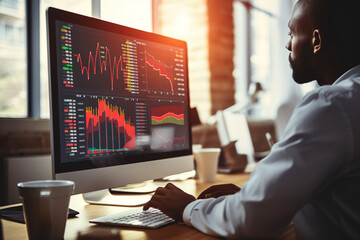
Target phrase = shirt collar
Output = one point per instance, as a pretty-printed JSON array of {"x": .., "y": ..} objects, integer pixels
[{"x": 352, "y": 73}]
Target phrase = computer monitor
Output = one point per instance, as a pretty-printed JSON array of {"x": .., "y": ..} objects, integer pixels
[{"x": 119, "y": 103}]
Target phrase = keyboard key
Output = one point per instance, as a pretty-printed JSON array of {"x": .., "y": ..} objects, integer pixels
[{"x": 152, "y": 218}]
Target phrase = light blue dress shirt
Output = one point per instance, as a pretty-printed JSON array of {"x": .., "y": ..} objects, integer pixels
[{"x": 311, "y": 176}]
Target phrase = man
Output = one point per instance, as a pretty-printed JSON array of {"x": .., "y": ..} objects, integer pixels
[{"x": 312, "y": 176}]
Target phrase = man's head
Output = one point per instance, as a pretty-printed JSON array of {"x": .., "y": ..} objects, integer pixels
[{"x": 324, "y": 39}]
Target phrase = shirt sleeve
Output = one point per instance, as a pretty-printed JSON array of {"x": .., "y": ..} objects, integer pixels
[{"x": 315, "y": 143}]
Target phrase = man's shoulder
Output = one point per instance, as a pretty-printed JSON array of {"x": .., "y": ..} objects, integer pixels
[{"x": 347, "y": 89}]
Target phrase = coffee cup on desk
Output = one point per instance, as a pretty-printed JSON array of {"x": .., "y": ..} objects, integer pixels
[
  {"x": 46, "y": 206},
  {"x": 207, "y": 163}
]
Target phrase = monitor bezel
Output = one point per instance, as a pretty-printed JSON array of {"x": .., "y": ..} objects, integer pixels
[{"x": 53, "y": 15}]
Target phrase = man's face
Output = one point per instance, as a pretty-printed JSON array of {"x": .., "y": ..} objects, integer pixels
[{"x": 301, "y": 55}]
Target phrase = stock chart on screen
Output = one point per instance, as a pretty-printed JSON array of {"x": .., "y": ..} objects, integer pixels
[{"x": 119, "y": 94}]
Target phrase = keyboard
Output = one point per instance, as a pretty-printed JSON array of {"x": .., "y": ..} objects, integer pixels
[{"x": 151, "y": 218}]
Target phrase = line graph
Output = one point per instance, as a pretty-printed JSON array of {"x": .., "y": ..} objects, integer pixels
[
  {"x": 168, "y": 140},
  {"x": 164, "y": 73},
  {"x": 108, "y": 129},
  {"x": 101, "y": 62},
  {"x": 117, "y": 62}
]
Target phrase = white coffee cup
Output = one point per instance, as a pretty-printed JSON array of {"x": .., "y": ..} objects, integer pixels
[
  {"x": 207, "y": 163},
  {"x": 46, "y": 206}
]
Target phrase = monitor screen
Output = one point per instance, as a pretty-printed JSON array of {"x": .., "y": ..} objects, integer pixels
[{"x": 119, "y": 102}]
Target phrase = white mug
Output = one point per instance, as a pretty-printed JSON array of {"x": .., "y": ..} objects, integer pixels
[{"x": 207, "y": 163}]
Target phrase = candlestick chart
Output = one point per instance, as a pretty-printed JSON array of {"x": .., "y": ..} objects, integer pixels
[{"x": 108, "y": 129}]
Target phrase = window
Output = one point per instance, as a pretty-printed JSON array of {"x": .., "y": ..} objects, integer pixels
[
  {"x": 119, "y": 11},
  {"x": 128, "y": 13},
  {"x": 79, "y": 6},
  {"x": 13, "y": 55},
  {"x": 13, "y": 84},
  {"x": 263, "y": 28},
  {"x": 261, "y": 25},
  {"x": 255, "y": 30}
]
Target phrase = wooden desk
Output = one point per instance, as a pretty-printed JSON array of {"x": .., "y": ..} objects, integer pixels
[{"x": 12, "y": 230}]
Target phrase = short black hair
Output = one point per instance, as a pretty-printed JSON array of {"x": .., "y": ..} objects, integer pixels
[{"x": 338, "y": 21}]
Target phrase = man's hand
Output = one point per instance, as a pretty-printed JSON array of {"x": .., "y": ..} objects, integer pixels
[
  {"x": 219, "y": 190},
  {"x": 170, "y": 200}
]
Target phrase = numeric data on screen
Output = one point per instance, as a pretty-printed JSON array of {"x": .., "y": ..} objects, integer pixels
[{"x": 119, "y": 93}]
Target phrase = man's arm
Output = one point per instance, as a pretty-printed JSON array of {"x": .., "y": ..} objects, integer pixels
[
  {"x": 172, "y": 201},
  {"x": 218, "y": 191},
  {"x": 316, "y": 143}
]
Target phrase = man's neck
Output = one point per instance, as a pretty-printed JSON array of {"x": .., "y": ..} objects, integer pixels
[{"x": 331, "y": 72}]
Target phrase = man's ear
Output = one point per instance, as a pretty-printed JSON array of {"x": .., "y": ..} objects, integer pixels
[{"x": 316, "y": 41}]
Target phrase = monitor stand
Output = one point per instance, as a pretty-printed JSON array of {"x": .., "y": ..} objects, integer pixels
[
  {"x": 136, "y": 188},
  {"x": 132, "y": 195}
]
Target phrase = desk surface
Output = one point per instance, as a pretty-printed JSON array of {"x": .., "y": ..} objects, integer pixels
[{"x": 12, "y": 230}]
